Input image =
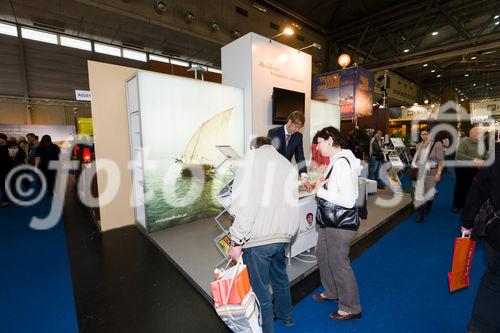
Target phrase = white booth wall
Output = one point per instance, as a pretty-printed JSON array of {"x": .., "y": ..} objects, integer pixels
[
  {"x": 256, "y": 64},
  {"x": 323, "y": 114}
]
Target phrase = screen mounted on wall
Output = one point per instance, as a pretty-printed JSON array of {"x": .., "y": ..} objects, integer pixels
[{"x": 285, "y": 102}]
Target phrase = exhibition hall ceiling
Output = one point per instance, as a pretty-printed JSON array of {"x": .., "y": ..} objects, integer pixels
[{"x": 438, "y": 44}]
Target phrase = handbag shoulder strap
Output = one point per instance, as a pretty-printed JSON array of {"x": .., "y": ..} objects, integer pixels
[
  {"x": 430, "y": 150},
  {"x": 329, "y": 172}
]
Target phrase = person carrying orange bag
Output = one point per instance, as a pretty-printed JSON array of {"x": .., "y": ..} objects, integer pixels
[{"x": 459, "y": 277}]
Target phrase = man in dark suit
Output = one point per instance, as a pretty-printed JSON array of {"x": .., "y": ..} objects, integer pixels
[{"x": 288, "y": 142}]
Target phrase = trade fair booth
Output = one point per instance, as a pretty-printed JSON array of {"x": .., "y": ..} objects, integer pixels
[{"x": 175, "y": 140}]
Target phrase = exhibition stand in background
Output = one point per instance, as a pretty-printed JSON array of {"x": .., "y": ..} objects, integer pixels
[{"x": 168, "y": 126}]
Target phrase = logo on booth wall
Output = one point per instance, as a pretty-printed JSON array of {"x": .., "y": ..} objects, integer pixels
[{"x": 309, "y": 219}]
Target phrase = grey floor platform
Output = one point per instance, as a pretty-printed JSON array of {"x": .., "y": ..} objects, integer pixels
[{"x": 192, "y": 249}]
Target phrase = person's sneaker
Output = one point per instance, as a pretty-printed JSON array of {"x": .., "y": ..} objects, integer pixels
[{"x": 288, "y": 322}]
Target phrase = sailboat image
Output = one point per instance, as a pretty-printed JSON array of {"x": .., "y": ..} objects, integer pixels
[{"x": 201, "y": 149}]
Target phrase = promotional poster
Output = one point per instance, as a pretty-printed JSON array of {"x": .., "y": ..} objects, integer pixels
[
  {"x": 351, "y": 89},
  {"x": 182, "y": 122}
]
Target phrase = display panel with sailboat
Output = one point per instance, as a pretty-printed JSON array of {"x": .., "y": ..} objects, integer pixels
[{"x": 183, "y": 122}]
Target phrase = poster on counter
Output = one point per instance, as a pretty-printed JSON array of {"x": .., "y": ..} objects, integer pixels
[
  {"x": 184, "y": 122},
  {"x": 351, "y": 89}
]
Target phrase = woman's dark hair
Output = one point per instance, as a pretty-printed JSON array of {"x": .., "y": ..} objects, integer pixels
[
  {"x": 315, "y": 139},
  {"x": 46, "y": 141},
  {"x": 424, "y": 129},
  {"x": 331, "y": 132}
]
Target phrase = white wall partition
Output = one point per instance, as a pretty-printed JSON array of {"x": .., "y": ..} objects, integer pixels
[
  {"x": 322, "y": 115},
  {"x": 256, "y": 64}
]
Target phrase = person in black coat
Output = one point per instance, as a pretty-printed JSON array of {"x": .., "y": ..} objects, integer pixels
[
  {"x": 486, "y": 185},
  {"x": 288, "y": 142},
  {"x": 44, "y": 153},
  {"x": 6, "y": 164}
]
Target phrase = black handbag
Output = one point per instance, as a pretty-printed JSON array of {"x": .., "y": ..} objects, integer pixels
[{"x": 329, "y": 215}]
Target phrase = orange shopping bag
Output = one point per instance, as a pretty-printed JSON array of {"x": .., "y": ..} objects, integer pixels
[
  {"x": 463, "y": 253},
  {"x": 225, "y": 293},
  {"x": 234, "y": 300}
]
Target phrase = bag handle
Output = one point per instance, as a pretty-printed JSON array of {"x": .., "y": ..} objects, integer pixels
[
  {"x": 331, "y": 169},
  {"x": 238, "y": 263}
]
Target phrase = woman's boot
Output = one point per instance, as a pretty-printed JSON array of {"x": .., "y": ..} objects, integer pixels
[
  {"x": 420, "y": 214},
  {"x": 428, "y": 206}
]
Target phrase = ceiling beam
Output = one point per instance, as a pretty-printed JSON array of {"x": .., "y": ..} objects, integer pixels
[
  {"x": 443, "y": 55},
  {"x": 289, "y": 12},
  {"x": 149, "y": 20},
  {"x": 441, "y": 48},
  {"x": 382, "y": 16},
  {"x": 453, "y": 22},
  {"x": 411, "y": 15}
]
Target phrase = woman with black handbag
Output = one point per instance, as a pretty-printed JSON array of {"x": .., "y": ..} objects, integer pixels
[
  {"x": 338, "y": 220},
  {"x": 429, "y": 162}
]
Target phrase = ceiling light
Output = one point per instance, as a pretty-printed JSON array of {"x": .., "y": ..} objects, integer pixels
[
  {"x": 433, "y": 70},
  {"x": 288, "y": 31},
  {"x": 214, "y": 26},
  {"x": 435, "y": 33},
  {"x": 235, "y": 34},
  {"x": 496, "y": 16},
  {"x": 497, "y": 22},
  {"x": 426, "y": 101},
  {"x": 472, "y": 58},
  {"x": 188, "y": 18},
  {"x": 439, "y": 75},
  {"x": 461, "y": 99},
  {"x": 406, "y": 50},
  {"x": 425, "y": 65},
  {"x": 315, "y": 45},
  {"x": 466, "y": 75},
  {"x": 160, "y": 6},
  {"x": 473, "y": 84},
  {"x": 490, "y": 52}
]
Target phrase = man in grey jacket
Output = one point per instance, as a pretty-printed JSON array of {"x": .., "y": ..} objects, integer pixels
[{"x": 265, "y": 205}]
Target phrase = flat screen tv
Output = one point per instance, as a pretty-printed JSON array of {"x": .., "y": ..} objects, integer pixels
[{"x": 285, "y": 102}]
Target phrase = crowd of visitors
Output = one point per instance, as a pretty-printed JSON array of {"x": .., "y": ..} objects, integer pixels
[{"x": 27, "y": 150}]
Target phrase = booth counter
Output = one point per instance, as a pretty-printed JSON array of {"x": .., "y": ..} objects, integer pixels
[{"x": 307, "y": 235}]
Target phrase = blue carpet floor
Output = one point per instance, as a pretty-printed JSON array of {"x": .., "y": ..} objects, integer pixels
[
  {"x": 403, "y": 280},
  {"x": 36, "y": 292}
]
